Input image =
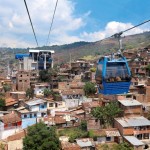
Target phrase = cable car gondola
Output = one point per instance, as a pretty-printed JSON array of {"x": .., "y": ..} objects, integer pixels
[{"x": 113, "y": 75}]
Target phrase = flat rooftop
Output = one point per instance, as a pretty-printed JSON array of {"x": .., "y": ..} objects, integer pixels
[
  {"x": 18, "y": 92},
  {"x": 133, "y": 121},
  {"x": 130, "y": 102},
  {"x": 133, "y": 140},
  {"x": 35, "y": 102},
  {"x": 38, "y": 50}
]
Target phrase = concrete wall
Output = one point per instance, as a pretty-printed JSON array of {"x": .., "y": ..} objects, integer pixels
[
  {"x": 5, "y": 133},
  {"x": 39, "y": 91},
  {"x": 23, "y": 81}
]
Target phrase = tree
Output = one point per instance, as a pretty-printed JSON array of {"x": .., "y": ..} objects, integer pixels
[
  {"x": 112, "y": 111},
  {"x": 46, "y": 75},
  {"x": 122, "y": 146},
  {"x": 107, "y": 113},
  {"x": 47, "y": 92},
  {"x": 2, "y": 146},
  {"x": 30, "y": 93},
  {"x": 93, "y": 69},
  {"x": 6, "y": 87},
  {"x": 39, "y": 137},
  {"x": 89, "y": 88},
  {"x": 83, "y": 125},
  {"x": 148, "y": 114},
  {"x": 148, "y": 69},
  {"x": 2, "y": 103}
]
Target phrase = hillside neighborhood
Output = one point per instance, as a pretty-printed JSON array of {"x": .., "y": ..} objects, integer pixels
[{"x": 66, "y": 97}]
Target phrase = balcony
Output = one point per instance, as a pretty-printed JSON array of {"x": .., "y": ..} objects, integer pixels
[{"x": 141, "y": 131}]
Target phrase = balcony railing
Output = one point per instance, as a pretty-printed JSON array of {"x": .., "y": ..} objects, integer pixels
[{"x": 141, "y": 131}]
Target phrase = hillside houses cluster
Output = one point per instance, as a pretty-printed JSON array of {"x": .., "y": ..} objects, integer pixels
[{"x": 68, "y": 106}]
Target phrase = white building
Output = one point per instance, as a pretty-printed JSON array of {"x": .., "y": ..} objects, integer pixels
[{"x": 35, "y": 60}]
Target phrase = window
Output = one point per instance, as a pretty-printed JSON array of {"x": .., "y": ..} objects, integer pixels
[
  {"x": 59, "y": 104},
  {"x": 20, "y": 75},
  {"x": 108, "y": 138},
  {"x": 56, "y": 105},
  {"x": 50, "y": 104},
  {"x": 9, "y": 124},
  {"x": 25, "y": 116},
  {"x": 30, "y": 115},
  {"x": 20, "y": 80},
  {"x": 42, "y": 106},
  {"x": 117, "y": 72},
  {"x": 35, "y": 115},
  {"x": 128, "y": 96}
]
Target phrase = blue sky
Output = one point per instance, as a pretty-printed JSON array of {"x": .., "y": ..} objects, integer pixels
[
  {"x": 104, "y": 11},
  {"x": 75, "y": 20}
]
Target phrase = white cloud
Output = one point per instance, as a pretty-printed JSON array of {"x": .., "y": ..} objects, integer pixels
[
  {"x": 15, "y": 26},
  {"x": 14, "y": 43},
  {"x": 112, "y": 28},
  {"x": 10, "y": 25},
  {"x": 16, "y": 20}
]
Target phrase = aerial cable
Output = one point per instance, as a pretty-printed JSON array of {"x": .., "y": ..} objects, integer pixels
[
  {"x": 117, "y": 35},
  {"x": 31, "y": 22},
  {"x": 52, "y": 22}
]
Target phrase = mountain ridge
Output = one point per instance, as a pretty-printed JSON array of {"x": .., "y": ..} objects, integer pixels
[{"x": 80, "y": 49}]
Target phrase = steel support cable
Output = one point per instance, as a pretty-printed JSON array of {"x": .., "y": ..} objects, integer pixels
[
  {"x": 52, "y": 22},
  {"x": 31, "y": 22},
  {"x": 117, "y": 35},
  {"x": 136, "y": 26}
]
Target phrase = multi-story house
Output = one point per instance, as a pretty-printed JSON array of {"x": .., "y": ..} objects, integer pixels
[
  {"x": 80, "y": 66},
  {"x": 137, "y": 126},
  {"x": 130, "y": 107},
  {"x": 35, "y": 60},
  {"x": 39, "y": 88}
]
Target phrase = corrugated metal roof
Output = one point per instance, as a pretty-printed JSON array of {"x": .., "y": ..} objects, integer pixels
[
  {"x": 21, "y": 56},
  {"x": 133, "y": 121},
  {"x": 130, "y": 102},
  {"x": 35, "y": 102},
  {"x": 86, "y": 142},
  {"x": 133, "y": 140}
]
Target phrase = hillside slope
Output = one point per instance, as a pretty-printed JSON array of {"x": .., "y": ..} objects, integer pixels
[{"x": 64, "y": 53}]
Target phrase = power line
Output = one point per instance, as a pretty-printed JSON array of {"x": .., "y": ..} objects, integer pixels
[
  {"x": 52, "y": 22},
  {"x": 31, "y": 22}
]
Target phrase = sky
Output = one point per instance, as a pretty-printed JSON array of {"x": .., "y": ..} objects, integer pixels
[{"x": 75, "y": 20}]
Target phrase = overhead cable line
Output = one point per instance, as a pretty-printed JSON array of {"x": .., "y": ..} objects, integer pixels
[
  {"x": 52, "y": 23},
  {"x": 31, "y": 22},
  {"x": 117, "y": 35}
]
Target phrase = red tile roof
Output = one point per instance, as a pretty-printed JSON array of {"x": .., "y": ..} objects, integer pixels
[
  {"x": 10, "y": 118},
  {"x": 17, "y": 136},
  {"x": 73, "y": 91},
  {"x": 59, "y": 120},
  {"x": 10, "y": 101},
  {"x": 70, "y": 146},
  {"x": 90, "y": 104}
]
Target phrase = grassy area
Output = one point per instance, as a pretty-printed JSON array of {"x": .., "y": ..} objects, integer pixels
[
  {"x": 73, "y": 133},
  {"x": 108, "y": 146},
  {"x": 90, "y": 57}
]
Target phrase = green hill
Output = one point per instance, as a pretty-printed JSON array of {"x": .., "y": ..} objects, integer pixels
[{"x": 81, "y": 49}]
